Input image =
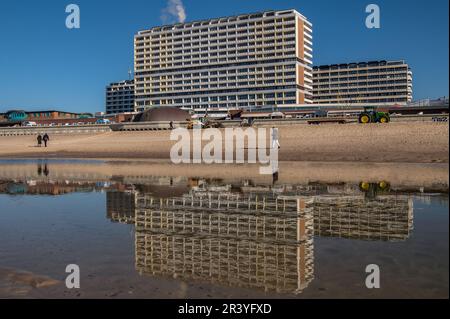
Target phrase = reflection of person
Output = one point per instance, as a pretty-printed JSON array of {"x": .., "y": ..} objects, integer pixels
[
  {"x": 39, "y": 170},
  {"x": 46, "y": 138},
  {"x": 274, "y": 177},
  {"x": 39, "y": 140},
  {"x": 275, "y": 142},
  {"x": 46, "y": 170}
]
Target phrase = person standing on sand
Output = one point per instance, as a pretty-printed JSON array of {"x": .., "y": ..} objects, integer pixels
[
  {"x": 275, "y": 142},
  {"x": 39, "y": 140},
  {"x": 46, "y": 138}
]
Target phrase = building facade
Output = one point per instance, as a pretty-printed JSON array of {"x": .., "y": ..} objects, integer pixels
[
  {"x": 120, "y": 97},
  {"x": 365, "y": 82},
  {"x": 219, "y": 64},
  {"x": 49, "y": 115}
]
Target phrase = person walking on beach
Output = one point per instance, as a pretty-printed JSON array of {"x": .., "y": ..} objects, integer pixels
[
  {"x": 275, "y": 142},
  {"x": 39, "y": 140},
  {"x": 46, "y": 138}
]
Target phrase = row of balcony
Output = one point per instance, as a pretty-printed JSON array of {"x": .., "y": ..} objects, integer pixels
[
  {"x": 139, "y": 54},
  {"x": 203, "y": 62},
  {"x": 258, "y": 26},
  {"x": 329, "y": 93},
  {"x": 206, "y": 87},
  {"x": 216, "y": 83},
  {"x": 181, "y": 57},
  {"x": 259, "y": 71},
  {"x": 268, "y": 93},
  {"x": 224, "y": 106},
  {"x": 369, "y": 78},
  {"x": 218, "y": 46},
  {"x": 199, "y": 80},
  {"x": 221, "y": 79},
  {"x": 356, "y": 70},
  {"x": 361, "y": 96},
  {"x": 362, "y": 87},
  {"x": 176, "y": 72},
  {"x": 224, "y": 98},
  {"x": 139, "y": 42},
  {"x": 362, "y": 82}
]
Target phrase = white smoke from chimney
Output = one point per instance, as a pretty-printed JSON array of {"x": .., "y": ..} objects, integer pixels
[{"x": 174, "y": 12}]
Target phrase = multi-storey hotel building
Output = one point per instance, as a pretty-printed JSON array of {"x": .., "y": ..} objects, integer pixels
[
  {"x": 242, "y": 61},
  {"x": 120, "y": 97},
  {"x": 365, "y": 82}
]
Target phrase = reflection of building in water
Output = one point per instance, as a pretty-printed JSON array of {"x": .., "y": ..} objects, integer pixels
[
  {"x": 263, "y": 243},
  {"x": 285, "y": 268},
  {"x": 120, "y": 206},
  {"x": 386, "y": 218},
  {"x": 45, "y": 187},
  {"x": 256, "y": 237},
  {"x": 343, "y": 210}
]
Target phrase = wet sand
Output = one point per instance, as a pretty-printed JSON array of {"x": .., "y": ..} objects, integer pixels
[
  {"x": 435, "y": 175},
  {"x": 394, "y": 142},
  {"x": 19, "y": 283}
]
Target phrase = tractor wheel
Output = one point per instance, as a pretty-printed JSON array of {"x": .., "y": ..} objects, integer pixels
[
  {"x": 365, "y": 118},
  {"x": 383, "y": 186},
  {"x": 364, "y": 186},
  {"x": 383, "y": 119}
]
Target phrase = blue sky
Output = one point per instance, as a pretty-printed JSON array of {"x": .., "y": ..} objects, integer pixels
[{"x": 45, "y": 65}]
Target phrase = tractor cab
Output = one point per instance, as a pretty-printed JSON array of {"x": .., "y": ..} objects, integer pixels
[{"x": 369, "y": 109}]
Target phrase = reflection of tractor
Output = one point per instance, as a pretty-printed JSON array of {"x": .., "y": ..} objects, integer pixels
[
  {"x": 371, "y": 115},
  {"x": 372, "y": 190}
]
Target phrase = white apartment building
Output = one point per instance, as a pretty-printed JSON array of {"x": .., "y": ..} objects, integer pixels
[
  {"x": 120, "y": 97},
  {"x": 243, "y": 61},
  {"x": 373, "y": 82}
]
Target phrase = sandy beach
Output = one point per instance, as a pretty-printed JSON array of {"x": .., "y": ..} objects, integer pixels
[{"x": 395, "y": 142}]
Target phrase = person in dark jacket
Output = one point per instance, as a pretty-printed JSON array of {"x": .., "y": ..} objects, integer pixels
[
  {"x": 39, "y": 140},
  {"x": 46, "y": 138}
]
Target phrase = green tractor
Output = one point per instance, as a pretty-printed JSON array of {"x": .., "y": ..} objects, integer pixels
[
  {"x": 371, "y": 115},
  {"x": 372, "y": 190}
]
